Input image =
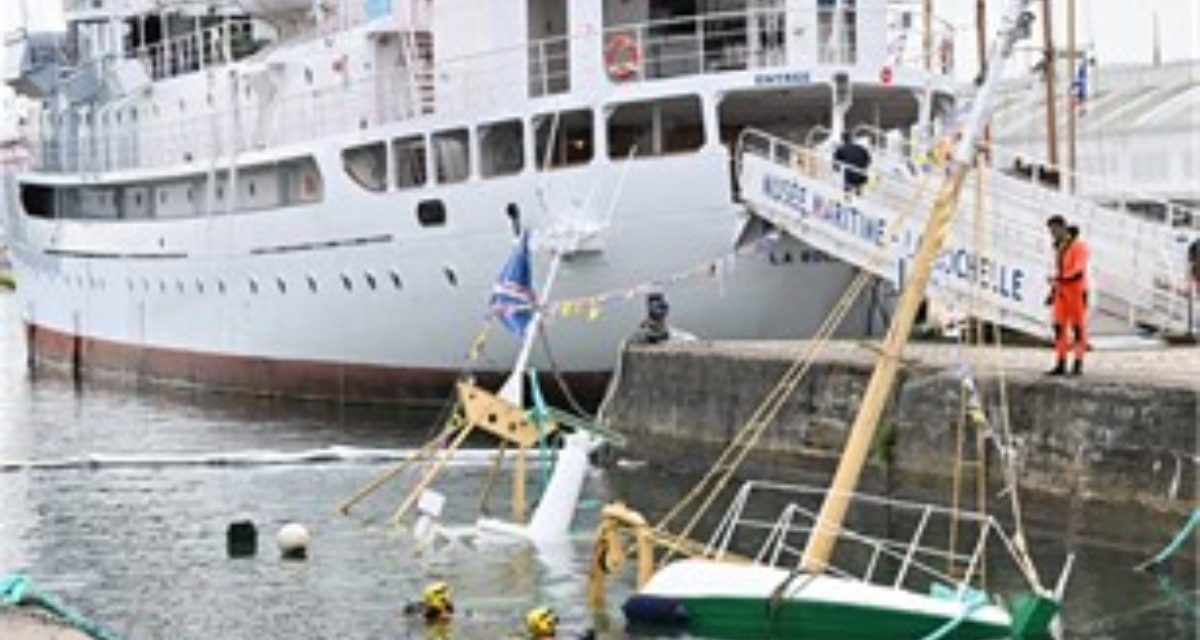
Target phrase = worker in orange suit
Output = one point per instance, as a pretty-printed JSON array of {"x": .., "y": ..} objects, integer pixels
[{"x": 1068, "y": 293}]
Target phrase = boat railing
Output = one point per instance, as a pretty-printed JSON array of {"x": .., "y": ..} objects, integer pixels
[
  {"x": 131, "y": 134},
  {"x": 1139, "y": 267},
  {"x": 911, "y": 556},
  {"x": 757, "y": 38},
  {"x": 1017, "y": 164}
]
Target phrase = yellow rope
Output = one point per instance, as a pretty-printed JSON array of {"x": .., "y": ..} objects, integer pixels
[{"x": 748, "y": 435}]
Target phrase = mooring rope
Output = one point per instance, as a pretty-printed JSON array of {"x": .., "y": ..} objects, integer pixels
[
  {"x": 714, "y": 482},
  {"x": 17, "y": 589}
]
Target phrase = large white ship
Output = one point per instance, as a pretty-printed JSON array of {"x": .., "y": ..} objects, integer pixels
[{"x": 314, "y": 196}]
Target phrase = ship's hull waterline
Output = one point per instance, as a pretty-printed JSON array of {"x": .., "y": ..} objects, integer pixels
[{"x": 349, "y": 301}]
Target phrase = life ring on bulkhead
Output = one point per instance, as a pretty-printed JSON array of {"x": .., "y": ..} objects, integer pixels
[{"x": 622, "y": 57}]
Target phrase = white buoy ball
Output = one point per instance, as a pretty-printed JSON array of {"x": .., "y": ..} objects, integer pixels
[{"x": 293, "y": 540}]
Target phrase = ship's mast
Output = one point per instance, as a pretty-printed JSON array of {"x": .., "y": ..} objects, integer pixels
[
  {"x": 833, "y": 511},
  {"x": 1050, "y": 62},
  {"x": 1073, "y": 66}
]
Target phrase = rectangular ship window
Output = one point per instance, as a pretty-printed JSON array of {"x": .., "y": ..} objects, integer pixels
[
  {"x": 501, "y": 148},
  {"x": 563, "y": 139},
  {"x": 411, "y": 157},
  {"x": 452, "y": 156}
]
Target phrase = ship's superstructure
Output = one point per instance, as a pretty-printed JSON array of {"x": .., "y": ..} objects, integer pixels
[{"x": 315, "y": 196}]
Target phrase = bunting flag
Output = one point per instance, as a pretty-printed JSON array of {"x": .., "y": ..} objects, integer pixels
[
  {"x": 1079, "y": 86},
  {"x": 513, "y": 298}
]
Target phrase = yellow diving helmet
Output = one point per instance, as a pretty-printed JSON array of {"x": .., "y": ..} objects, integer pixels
[
  {"x": 437, "y": 597},
  {"x": 541, "y": 622}
]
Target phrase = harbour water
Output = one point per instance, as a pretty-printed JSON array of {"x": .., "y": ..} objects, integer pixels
[{"x": 126, "y": 514}]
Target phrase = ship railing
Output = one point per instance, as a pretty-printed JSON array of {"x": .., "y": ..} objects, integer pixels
[
  {"x": 1138, "y": 236},
  {"x": 758, "y": 38},
  {"x": 549, "y": 66},
  {"x": 197, "y": 50},
  {"x": 351, "y": 103},
  {"x": 1126, "y": 198},
  {"x": 1138, "y": 267},
  {"x": 918, "y": 536}
]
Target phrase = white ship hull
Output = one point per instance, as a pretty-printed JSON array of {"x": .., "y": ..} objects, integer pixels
[
  {"x": 144, "y": 297},
  {"x": 199, "y": 217}
]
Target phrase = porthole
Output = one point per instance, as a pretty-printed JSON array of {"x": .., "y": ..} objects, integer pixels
[
  {"x": 346, "y": 283},
  {"x": 312, "y": 283},
  {"x": 253, "y": 286},
  {"x": 451, "y": 277},
  {"x": 370, "y": 278},
  {"x": 396, "y": 281},
  {"x": 221, "y": 287},
  {"x": 179, "y": 286},
  {"x": 431, "y": 213},
  {"x": 281, "y": 284},
  {"x": 162, "y": 286},
  {"x": 199, "y": 286},
  {"x": 145, "y": 284}
]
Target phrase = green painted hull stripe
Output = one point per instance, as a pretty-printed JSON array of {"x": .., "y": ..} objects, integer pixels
[{"x": 754, "y": 618}]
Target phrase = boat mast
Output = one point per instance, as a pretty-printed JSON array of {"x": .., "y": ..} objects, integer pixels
[
  {"x": 821, "y": 542},
  {"x": 1072, "y": 104},
  {"x": 1050, "y": 64}
]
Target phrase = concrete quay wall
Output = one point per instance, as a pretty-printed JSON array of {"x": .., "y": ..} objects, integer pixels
[{"x": 1125, "y": 431}]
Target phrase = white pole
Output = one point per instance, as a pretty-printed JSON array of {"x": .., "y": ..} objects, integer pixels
[{"x": 512, "y": 389}]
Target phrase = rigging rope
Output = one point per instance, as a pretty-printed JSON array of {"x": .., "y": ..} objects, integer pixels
[{"x": 748, "y": 435}]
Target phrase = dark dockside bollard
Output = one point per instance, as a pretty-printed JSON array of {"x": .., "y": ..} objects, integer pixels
[{"x": 241, "y": 539}]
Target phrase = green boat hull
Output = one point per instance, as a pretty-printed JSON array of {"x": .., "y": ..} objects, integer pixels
[{"x": 753, "y": 618}]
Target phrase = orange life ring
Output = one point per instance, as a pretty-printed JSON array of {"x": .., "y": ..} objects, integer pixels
[{"x": 622, "y": 56}]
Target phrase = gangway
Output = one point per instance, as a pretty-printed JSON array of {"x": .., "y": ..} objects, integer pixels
[{"x": 996, "y": 265}]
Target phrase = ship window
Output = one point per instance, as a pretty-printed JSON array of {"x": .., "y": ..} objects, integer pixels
[
  {"x": 367, "y": 166},
  {"x": 281, "y": 284},
  {"x": 431, "y": 213},
  {"x": 563, "y": 139},
  {"x": 253, "y": 286},
  {"x": 501, "y": 148},
  {"x": 410, "y": 162},
  {"x": 162, "y": 286},
  {"x": 301, "y": 181},
  {"x": 370, "y": 278},
  {"x": 221, "y": 287},
  {"x": 179, "y": 286},
  {"x": 312, "y": 283},
  {"x": 452, "y": 156},
  {"x": 347, "y": 284},
  {"x": 38, "y": 201},
  {"x": 655, "y": 128},
  {"x": 451, "y": 276},
  {"x": 396, "y": 281}
]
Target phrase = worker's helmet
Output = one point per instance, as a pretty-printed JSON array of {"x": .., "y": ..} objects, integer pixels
[
  {"x": 541, "y": 622},
  {"x": 437, "y": 597}
]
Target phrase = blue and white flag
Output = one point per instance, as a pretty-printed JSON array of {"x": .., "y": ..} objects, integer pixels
[
  {"x": 1079, "y": 86},
  {"x": 513, "y": 298}
]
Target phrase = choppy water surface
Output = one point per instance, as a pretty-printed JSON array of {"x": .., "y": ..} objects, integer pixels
[{"x": 135, "y": 538}]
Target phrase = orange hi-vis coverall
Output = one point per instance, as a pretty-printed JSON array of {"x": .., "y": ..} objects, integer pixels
[{"x": 1070, "y": 299}]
